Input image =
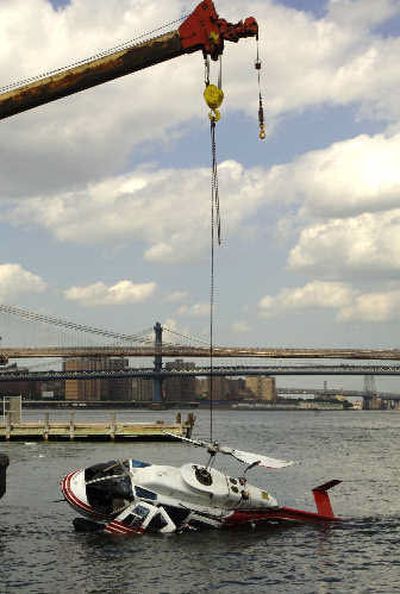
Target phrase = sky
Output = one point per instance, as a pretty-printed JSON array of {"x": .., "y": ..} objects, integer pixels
[{"x": 105, "y": 195}]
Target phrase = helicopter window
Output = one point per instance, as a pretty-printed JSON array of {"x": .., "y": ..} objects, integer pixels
[
  {"x": 139, "y": 464},
  {"x": 104, "y": 469},
  {"x": 141, "y": 511},
  {"x": 177, "y": 514},
  {"x": 108, "y": 494},
  {"x": 138, "y": 515},
  {"x": 145, "y": 494},
  {"x": 157, "y": 522}
]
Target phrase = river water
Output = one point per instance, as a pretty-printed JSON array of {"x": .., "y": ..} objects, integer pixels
[{"x": 41, "y": 553}]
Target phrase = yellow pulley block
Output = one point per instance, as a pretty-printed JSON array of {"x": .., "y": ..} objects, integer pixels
[{"x": 214, "y": 97}]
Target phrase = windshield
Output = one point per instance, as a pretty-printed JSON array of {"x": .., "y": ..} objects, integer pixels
[{"x": 108, "y": 486}]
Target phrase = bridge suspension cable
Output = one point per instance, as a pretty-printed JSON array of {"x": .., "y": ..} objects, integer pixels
[
  {"x": 188, "y": 337},
  {"x": 25, "y": 314}
]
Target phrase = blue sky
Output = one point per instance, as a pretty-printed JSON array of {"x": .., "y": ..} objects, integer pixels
[{"x": 105, "y": 195}]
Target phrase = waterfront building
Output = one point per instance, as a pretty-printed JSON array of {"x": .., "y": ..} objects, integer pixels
[
  {"x": 180, "y": 388},
  {"x": 117, "y": 389},
  {"x": 27, "y": 389},
  {"x": 262, "y": 387},
  {"x": 142, "y": 389}
]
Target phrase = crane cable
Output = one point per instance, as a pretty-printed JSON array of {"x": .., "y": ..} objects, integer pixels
[
  {"x": 261, "y": 122},
  {"x": 213, "y": 96}
]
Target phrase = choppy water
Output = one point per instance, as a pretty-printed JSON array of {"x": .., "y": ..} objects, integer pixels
[{"x": 41, "y": 553}]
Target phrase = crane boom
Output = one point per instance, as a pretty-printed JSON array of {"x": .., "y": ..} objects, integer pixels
[{"x": 202, "y": 30}]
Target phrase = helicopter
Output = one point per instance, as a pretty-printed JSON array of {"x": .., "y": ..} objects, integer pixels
[{"x": 135, "y": 497}]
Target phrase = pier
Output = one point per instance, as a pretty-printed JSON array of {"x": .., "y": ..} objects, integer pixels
[{"x": 112, "y": 429}]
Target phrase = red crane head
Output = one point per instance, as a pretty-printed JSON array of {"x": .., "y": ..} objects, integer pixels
[{"x": 203, "y": 29}]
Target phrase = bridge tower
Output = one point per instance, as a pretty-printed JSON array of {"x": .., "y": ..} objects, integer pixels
[
  {"x": 370, "y": 393},
  {"x": 157, "y": 381}
]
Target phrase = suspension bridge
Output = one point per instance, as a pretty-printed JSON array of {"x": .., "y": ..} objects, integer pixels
[
  {"x": 31, "y": 335},
  {"x": 54, "y": 337}
]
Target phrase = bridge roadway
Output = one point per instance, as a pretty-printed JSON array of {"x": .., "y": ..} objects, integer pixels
[
  {"x": 338, "y": 392},
  {"x": 10, "y": 375},
  {"x": 7, "y": 353}
]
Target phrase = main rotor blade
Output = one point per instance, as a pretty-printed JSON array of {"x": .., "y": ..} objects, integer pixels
[
  {"x": 245, "y": 457},
  {"x": 256, "y": 459},
  {"x": 195, "y": 442}
]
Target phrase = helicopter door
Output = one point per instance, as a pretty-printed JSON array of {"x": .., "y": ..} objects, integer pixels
[{"x": 143, "y": 516}]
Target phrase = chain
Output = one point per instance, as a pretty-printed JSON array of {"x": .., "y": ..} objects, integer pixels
[
  {"x": 214, "y": 184},
  {"x": 261, "y": 122}
]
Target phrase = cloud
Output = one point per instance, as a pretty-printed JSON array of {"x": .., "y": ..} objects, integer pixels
[
  {"x": 166, "y": 209},
  {"x": 344, "y": 187},
  {"x": 315, "y": 294},
  {"x": 342, "y": 203},
  {"x": 373, "y": 307},
  {"x": 176, "y": 296},
  {"x": 16, "y": 281},
  {"x": 334, "y": 60},
  {"x": 367, "y": 243},
  {"x": 349, "y": 177},
  {"x": 121, "y": 293},
  {"x": 348, "y": 303},
  {"x": 70, "y": 143},
  {"x": 196, "y": 310}
]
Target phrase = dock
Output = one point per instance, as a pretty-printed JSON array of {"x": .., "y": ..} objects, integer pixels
[{"x": 86, "y": 430}]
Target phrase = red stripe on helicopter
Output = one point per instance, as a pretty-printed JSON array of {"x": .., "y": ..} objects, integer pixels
[
  {"x": 116, "y": 527},
  {"x": 70, "y": 495},
  {"x": 280, "y": 513}
]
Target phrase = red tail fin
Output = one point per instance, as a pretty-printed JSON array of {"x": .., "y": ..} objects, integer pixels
[{"x": 322, "y": 500}]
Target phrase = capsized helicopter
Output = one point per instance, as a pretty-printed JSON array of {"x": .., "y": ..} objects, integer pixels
[{"x": 135, "y": 497}]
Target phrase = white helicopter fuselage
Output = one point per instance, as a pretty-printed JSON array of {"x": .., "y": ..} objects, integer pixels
[
  {"x": 197, "y": 494},
  {"x": 134, "y": 497}
]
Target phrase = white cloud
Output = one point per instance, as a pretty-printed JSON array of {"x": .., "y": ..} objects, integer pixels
[
  {"x": 16, "y": 281},
  {"x": 196, "y": 310},
  {"x": 336, "y": 60},
  {"x": 367, "y": 243},
  {"x": 100, "y": 294},
  {"x": 348, "y": 303},
  {"x": 91, "y": 135},
  {"x": 359, "y": 176},
  {"x": 176, "y": 296},
  {"x": 348, "y": 177},
  {"x": 167, "y": 209},
  {"x": 373, "y": 307},
  {"x": 346, "y": 201},
  {"x": 315, "y": 294}
]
